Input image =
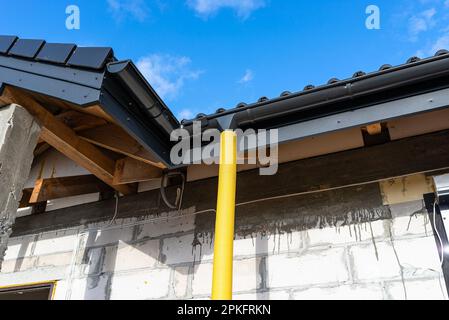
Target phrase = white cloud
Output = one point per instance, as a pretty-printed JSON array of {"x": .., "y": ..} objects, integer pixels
[
  {"x": 247, "y": 77},
  {"x": 122, "y": 8},
  {"x": 243, "y": 8},
  {"x": 185, "y": 114},
  {"x": 442, "y": 42},
  {"x": 422, "y": 22},
  {"x": 167, "y": 74}
]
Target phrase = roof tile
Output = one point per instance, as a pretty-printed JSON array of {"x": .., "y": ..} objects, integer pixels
[{"x": 26, "y": 48}]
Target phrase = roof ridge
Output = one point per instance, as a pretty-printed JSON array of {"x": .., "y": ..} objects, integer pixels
[{"x": 359, "y": 75}]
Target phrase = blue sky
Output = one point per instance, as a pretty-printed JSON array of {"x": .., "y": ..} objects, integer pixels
[{"x": 201, "y": 55}]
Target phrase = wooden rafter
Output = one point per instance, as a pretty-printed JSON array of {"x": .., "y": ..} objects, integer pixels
[
  {"x": 56, "y": 188},
  {"x": 66, "y": 141},
  {"x": 129, "y": 170},
  {"x": 78, "y": 121},
  {"x": 114, "y": 138},
  {"x": 75, "y": 120}
]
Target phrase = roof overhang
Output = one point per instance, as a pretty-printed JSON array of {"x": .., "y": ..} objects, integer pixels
[{"x": 85, "y": 79}]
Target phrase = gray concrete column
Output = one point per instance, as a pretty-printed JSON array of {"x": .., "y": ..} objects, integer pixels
[{"x": 18, "y": 137}]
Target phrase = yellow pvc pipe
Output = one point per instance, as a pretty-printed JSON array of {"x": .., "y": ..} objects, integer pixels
[{"x": 225, "y": 220}]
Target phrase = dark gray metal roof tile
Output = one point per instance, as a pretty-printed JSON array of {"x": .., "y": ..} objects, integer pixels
[
  {"x": 385, "y": 67},
  {"x": 359, "y": 74},
  {"x": 26, "y": 48},
  {"x": 92, "y": 57},
  {"x": 413, "y": 59},
  {"x": 56, "y": 52},
  {"x": 441, "y": 52},
  {"x": 309, "y": 87},
  {"x": 6, "y": 43}
]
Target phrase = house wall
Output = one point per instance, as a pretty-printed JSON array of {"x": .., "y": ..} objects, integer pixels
[
  {"x": 386, "y": 251},
  {"x": 335, "y": 227}
]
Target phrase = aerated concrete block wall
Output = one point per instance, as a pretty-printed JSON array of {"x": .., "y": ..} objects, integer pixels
[{"x": 367, "y": 242}]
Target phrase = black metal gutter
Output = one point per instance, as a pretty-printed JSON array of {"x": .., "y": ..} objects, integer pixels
[
  {"x": 128, "y": 98},
  {"x": 151, "y": 104},
  {"x": 360, "y": 91}
]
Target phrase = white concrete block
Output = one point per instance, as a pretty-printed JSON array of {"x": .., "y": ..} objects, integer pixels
[
  {"x": 181, "y": 281},
  {"x": 313, "y": 267},
  {"x": 406, "y": 209},
  {"x": 34, "y": 275},
  {"x": 109, "y": 236},
  {"x": 60, "y": 290},
  {"x": 167, "y": 227},
  {"x": 346, "y": 234},
  {"x": 182, "y": 250},
  {"x": 19, "y": 247},
  {"x": 18, "y": 265},
  {"x": 132, "y": 256},
  {"x": 357, "y": 292},
  {"x": 54, "y": 260},
  {"x": 429, "y": 289},
  {"x": 405, "y": 189},
  {"x": 142, "y": 285},
  {"x": 418, "y": 257},
  {"x": 63, "y": 241},
  {"x": 90, "y": 262},
  {"x": 246, "y": 277},
  {"x": 374, "y": 262},
  {"x": 24, "y": 212},
  {"x": 270, "y": 244},
  {"x": 264, "y": 296},
  {"x": 94, "y": 288},
  {"x": 202, "y": 279},
  {"x": 410, "y": 226}
]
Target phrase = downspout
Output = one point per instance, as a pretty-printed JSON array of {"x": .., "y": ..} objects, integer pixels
[{"x": 225, "y": 220}]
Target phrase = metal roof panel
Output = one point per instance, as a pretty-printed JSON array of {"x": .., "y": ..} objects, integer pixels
[
  {"x": 6, "y": 43},
  {"x": 95, "y": 58},
  {"x": 26, "y": 48},
  {"x": 56, "y": 52}
]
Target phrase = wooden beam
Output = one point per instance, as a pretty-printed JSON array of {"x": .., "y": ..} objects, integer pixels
[
  {"x": 114, "y": 138},
  {"x": 56, "y": 188},
  {"x": 374, "y": 129},
  {"x": 362, "y": 165},
  {"x": 41, "y": 147},
  {"x": 26, "y": 196},
  {"x": 129, "y": 170},
  {"x": 65, "y": 140},
  {"x": 75, "y": 120},
  {"x": 96, "y": 111},
  {"x": 80, "y": 121}
]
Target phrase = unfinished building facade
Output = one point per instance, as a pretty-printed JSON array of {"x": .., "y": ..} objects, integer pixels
[{"x": 85, "y": 147}]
